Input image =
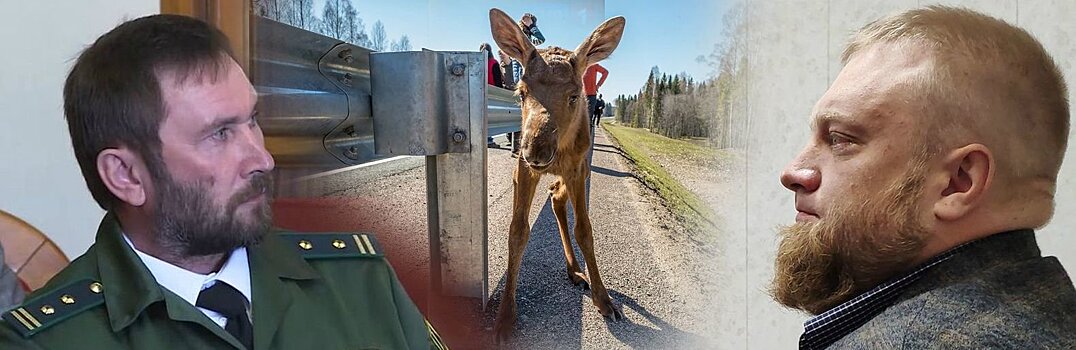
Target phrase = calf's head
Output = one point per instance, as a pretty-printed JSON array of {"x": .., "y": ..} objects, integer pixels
[{"x": 551, "y": 88}]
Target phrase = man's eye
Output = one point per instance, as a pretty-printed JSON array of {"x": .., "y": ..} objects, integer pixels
[
  {"x": 222, "y": 134},
  {"x": 838, "y": 139}
]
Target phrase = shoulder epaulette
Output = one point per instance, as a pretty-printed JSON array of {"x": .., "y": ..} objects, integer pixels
[
  {"x": 334, "y": 245},
  {"x": 434, "y": 338},
  {"x": 53, "y": 307}
]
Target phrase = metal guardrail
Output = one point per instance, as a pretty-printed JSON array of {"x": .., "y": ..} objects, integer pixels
[
  {"x": 315, "y": 95},
  {"x": 328, "y": 104},
  {"x": 314, "y": 92},
  {"x": 435, "y": 104},
  {"x": 504, "y": 114}
]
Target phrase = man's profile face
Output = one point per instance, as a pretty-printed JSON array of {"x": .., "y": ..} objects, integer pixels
[
  {"x": 215, "y": 194},
  {"x": 858, "y": 183}
]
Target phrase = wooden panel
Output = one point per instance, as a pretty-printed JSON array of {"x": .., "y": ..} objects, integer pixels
[
  {"x": 27, "y": 251},
  {"x": 230, "y": 16},
  {"x": 43, "y": 265},
  {"x": 19, "y": 240},
  {"x": 233, "y": 18},
  {"x": 193, "y": 8}
]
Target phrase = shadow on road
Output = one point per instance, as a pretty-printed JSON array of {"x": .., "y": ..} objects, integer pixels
[
  {"x": 608, "y": 149},
  {"x": 639, "y": 336},
  {"x": 609, "y": 172}
]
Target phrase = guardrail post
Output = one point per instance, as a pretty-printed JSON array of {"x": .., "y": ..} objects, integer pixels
[{"x": 434, "y": 104}]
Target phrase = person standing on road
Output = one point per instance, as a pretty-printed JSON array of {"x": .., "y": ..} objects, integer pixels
[
  {"x": 529, "y": 25},
  {"x": 494, "y": 77},
  {"x": 599, "y": 110},
  {"x": 591, "y": 84},
  {"x": 507, "y": 64}
]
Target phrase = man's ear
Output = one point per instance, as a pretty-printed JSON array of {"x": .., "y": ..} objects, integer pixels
[
  {"x": 124, "y": 174},
  {"x": 509, "y": 37},
  {"x": 970, "y": 170}
]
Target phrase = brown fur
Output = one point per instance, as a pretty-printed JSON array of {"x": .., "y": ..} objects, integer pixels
[{"x": 556, "y": 138}]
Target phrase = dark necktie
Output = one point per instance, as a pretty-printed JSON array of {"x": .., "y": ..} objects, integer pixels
[{"x": 229, "y": 302}]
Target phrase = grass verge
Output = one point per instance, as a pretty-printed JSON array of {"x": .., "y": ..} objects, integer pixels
[{"x": 637, "y": 145}]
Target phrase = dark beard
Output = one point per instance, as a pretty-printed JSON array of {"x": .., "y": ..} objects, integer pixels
[
  {"x": 188, "y": 223},
  {"x": 857, "y": 246}
]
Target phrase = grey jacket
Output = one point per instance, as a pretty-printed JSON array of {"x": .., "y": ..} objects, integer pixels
[
  {"x": 11, "y": 293},
  {"x": 998, "y": 294}
]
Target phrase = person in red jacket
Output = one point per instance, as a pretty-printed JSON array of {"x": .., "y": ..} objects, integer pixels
[
  {"x": 494, "y": 77},
  {"x": 591, "y": 84}
]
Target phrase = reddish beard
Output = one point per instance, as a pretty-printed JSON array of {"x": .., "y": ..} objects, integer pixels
[{"x": 856, "y": 246}]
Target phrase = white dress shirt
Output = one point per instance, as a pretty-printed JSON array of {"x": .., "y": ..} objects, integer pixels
[{"x": 187, "y": 284}]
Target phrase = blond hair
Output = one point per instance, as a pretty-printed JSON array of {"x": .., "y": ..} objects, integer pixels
[{"x": 990, "y": 83}]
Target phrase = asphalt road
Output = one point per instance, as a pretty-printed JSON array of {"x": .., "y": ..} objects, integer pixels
[{"x": 659, "y": 275}]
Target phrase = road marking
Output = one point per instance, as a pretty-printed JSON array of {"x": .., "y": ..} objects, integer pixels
[{"x": 350, "y": 168}]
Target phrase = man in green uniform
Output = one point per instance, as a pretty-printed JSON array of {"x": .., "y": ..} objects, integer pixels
[{"x": 164, "y": 127}]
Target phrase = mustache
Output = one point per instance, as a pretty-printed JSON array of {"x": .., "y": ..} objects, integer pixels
[{"x": 260, "y": 183}]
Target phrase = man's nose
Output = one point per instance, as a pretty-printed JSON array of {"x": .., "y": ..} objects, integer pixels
[
  {"x": 799, "y": 176},
  {"x": 256, "y": 156}
]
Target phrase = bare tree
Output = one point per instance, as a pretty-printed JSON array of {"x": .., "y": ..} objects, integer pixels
[
  {"x": 300, "y": 13},
  {"x": 378, "y": 37},
  {"x": 339, "y": 18},
  {"x": 404, "y": 44},
  {"x": 267, "y": 8},
  {"x": 332, "y": 19},
  {"x": 285, "y": 11},
  {"x": 355, "y": 28},
  {"x": 722, "y": 97}
]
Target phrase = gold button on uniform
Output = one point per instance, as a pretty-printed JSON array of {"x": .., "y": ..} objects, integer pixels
[
  {"x": 67, "y": 299},
  {"x": 305, "y": 244},
  {"x": 339, "y": 244},
  {"x": 96, "y": 287},
  {"x": 48, "y": 310}
]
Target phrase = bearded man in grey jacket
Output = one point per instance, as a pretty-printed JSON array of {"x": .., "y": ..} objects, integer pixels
[{"x": 933, "y": 157}]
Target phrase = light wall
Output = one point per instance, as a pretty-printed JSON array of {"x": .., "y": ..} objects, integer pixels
[
  {"x": 793, "y": 56},
  {"x": 40, "y": 181}
]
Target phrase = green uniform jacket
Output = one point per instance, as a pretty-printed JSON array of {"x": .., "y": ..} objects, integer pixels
[{"x": 312, "y": 291}]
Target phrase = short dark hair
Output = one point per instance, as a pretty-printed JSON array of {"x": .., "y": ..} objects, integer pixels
[{"x": 112, "y": 97}]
